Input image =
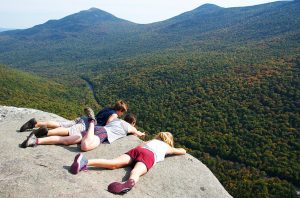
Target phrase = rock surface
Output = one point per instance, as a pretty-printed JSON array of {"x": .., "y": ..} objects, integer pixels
[{"x": 43, "y": 171}]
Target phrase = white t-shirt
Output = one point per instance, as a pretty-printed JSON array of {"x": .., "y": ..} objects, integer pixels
[
  {"x": 116, "y": 129},
  {"x": 159, "y": 148}
]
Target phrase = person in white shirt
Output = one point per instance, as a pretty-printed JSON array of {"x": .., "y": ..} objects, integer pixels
[
  {"x": 93, "y": 137},
  {"x": 144, "y": 156}
]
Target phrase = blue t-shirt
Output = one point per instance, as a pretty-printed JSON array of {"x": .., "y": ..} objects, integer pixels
[{"x": 103, "y": 115}]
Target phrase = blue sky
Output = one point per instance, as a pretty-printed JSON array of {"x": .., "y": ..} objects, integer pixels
[{"x": 27, "y": 13}]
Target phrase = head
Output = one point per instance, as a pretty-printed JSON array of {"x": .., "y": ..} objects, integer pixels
[
  {"x": 166, "y": 137},
  {"x": 131, "y": 119},
  {"x": 120, "y": 107}
]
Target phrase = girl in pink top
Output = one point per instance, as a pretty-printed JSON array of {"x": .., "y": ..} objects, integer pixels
[{"x": 143, "y": 157}]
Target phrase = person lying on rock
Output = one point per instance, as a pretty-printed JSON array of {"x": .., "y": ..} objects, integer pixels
[
  {"x": 90, "y": 139},
  {"x": 80, "y": 124},
  {"x": 143, "y": 157}
]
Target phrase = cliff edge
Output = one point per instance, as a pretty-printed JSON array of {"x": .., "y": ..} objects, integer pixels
[{"x": 43, "y": 171}]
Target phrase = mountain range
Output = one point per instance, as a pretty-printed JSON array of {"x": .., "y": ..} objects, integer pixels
[
  {"x": 224, "y": 81},
  {"x": 94, "y": 34}
]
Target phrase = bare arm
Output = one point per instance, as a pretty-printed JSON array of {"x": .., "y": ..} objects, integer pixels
[
  {"x": 175, "y": 151},
  {"x": 111, "y": 118},
  {"x": 134, "y": 131}
]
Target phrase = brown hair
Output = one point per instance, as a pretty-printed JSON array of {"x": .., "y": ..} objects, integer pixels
[
  {"x": 130, "y": 118},
  {"x": 121, "y": 106},
  {"x": 166, "y": 137}
]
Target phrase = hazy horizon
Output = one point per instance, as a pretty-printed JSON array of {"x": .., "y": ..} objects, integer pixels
[{"x": 19, "y": 15}]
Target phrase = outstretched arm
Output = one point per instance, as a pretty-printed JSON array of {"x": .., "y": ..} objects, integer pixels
[
  {"x": 134, "y": 131},
  {"x": 175, "y": 151}
]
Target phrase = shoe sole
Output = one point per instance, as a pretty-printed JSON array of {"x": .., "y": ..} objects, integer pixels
[
  {"x": 28, "y": 125},
  {"x": 90, "y": 113},
  {"x": 30, "y": 135},
  {"x": 24, "y": 144},
  {"x": 75, "y": 166},
  {"x": 120, "y": 187}
]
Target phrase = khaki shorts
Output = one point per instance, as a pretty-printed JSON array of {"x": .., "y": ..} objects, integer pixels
[{"x": 77, "y": 126}]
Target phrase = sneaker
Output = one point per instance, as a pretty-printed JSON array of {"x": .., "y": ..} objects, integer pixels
[
  {"x": 79, "y": 164},
  {"x": 90, "y": 114},
  {"x": 23, "y": 144},
  {"x": 29, "y": 142},
  {"x": 121, "y": 187},
  {"x": 28, "y": 125},
  {"x": 41, "y": 132}
]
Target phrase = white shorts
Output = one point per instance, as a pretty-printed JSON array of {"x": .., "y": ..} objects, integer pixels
[{"x": 76, "y": 126}]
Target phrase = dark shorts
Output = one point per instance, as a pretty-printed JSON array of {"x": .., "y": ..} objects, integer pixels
[
  {"x": 100, "y": 132},
  {"x": 139, "y": 154}
]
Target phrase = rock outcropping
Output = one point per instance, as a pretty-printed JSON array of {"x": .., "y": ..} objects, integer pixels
[{"x": 43, "y": 171}]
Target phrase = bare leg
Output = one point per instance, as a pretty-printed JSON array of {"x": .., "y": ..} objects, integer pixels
[
  {"x": 121, "y": 187},
  {"x": 118, "y": 162},
  {"x": 138, "y": 170},
  {"x": 74, "y": 139},
  {"x": 48, "y": 124},
  {"x": 90, "y": 141},
  {"x": 60, "y": 131}
]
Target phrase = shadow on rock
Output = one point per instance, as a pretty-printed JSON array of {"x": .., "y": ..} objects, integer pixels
[{"x": 72, "y": 148}]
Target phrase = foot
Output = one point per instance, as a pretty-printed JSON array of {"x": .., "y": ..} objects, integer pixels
[
  {"x": 90, "y": 114},
  {"x": 121, "y": 187},
  {"x": 29, "y": 142},
  {"x": 41, "y": 132},
  {"x": 28, "y": 125},
  {"x": 79, "y": 164}
]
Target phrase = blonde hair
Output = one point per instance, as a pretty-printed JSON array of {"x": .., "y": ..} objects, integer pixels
[{"x": 166, "y": 137}]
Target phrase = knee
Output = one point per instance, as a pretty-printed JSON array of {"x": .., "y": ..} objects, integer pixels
[
  {"x": 115, "y": 165},
  {"x": 84, "y": 147},
  {"x": 112, "y": 167}
]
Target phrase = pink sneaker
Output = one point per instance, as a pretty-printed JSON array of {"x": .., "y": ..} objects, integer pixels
[
  {"x": 79, "y": 164},
  {"x": 121, "y": 187}
]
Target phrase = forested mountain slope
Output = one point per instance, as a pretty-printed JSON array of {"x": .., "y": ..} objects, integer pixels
[
  {"x": 27, "y": 90},
  {"x": 247, "y": 115},
  {"x": 92, "y": 36}
]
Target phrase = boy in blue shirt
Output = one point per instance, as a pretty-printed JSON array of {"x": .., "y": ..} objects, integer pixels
[{"x": 78, "y": 125}]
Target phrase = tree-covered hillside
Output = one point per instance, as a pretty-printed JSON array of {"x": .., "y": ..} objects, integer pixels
[
  {"x": 224, "y": 81},
  {"x": 229, "y": 115},
  {"x": 26, "y": 90}
]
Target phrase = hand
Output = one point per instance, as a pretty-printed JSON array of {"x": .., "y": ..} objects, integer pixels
[{"x": 142, "y": 134}]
